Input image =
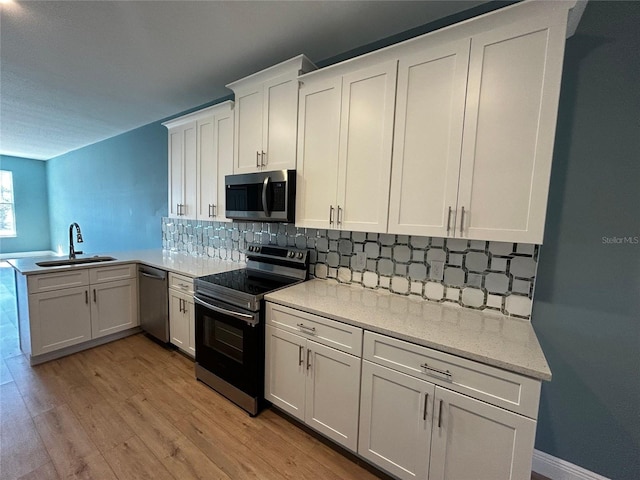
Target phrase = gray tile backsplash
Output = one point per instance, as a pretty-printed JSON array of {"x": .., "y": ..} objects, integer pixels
[{"x": 482, "y": 275}]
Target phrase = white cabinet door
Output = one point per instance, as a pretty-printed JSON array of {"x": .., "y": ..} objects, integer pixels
[
  {"x": 333, "y": 394},
  {"x": 512, "y": 100},
  {"x": 182, "y": 171},
  {"x": 472, "y": 439},
  {"x": 280, "y": 107},
  {"x": 206, "y": 168},
  {"x": 214, "y": 161},
  {"x": 318, "y": 139},
  {"x": 59, "y": 319},
  {"x": 190, "y": 314},
  {"x": 428, "y": 140},
  {"x": 114, "y": 307},
  {"x": 178, "y": 321},
  {"x": 248, "y": 131},
  {"x": 395, "y": 421},
  {"x": 366, "y": 134},
  {"x": 285, "y": 371},
  {"x": 223, "y": 144}
]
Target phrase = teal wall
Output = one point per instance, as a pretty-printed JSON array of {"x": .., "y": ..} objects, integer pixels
[
  {"x": 115, "y": 189},
  {"x": 30, "y": 199},
  {"x": 587, "y": 301}
]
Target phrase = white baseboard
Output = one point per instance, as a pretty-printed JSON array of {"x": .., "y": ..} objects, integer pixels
[{"x": 558, "y": 469}]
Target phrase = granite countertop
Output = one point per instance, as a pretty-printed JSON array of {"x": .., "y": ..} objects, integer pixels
[
  {"x": 177, "y": 262},
  {"x": 487, "y": 337}
]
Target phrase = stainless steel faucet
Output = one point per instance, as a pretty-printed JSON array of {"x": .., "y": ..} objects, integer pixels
[{"x": 72, "y": 251}]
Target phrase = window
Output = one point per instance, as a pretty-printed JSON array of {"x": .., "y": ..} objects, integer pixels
[{"x": 7, "y": 210}]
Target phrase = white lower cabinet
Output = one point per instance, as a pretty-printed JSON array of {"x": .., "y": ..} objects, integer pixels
[
  {"x": 318, "y": 385},
  {"x": 59, "y": 319},
  {"x": 114, "y": 307},
  {"x": 395, "y": 421},
  {"x": 472, "y": 439},
  {"x": 182, "y": 320},
  {"x": 415, "y": 426},
  {"x": 105, "y": 302}
]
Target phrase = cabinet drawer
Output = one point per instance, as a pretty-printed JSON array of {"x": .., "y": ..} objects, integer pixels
[
  {"x": 321, "y": 330},
  {"x": 47, "y": 282},
  {"x": 112, "y": 272},
  {"x": 181, "y": 283},
  {"x": 504, "y": 389}
]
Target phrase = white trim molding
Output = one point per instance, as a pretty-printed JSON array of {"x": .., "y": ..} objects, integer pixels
[{"x": 558, "y": 469}]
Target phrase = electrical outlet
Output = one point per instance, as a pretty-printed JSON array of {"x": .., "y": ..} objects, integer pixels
[
  {"x": 436, "y": 272},
  {"x": 360, "y": 261}
]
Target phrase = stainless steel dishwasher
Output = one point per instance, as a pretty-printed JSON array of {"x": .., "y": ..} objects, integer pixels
[{"x": 154, "y": 302}]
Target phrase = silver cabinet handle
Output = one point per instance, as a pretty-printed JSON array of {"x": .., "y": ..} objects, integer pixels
[
  {"x": 212, "y": 212},
  {"x": 462, "y": 221},
  {"x": 308, "y": 359},
  {"x": 339, "y": 215},
  {"x": 440, "y": 415},
  {"x": 300, "y": 359},
  {"x": 311, "y": 330},
  {"x": 86, "y": 297},
  {"x": 215, "y": 211},
  {"x": 262, "y": 162},
  {"x": 180, "y": 305},
  {"x": 426, "y": 402},
  {"x": 331, "y": 214},
  {"x": 178, "y": 209},
  {"x": 257, "y": 158},
  {"x": 94, "y": 296},
  {"x": 449, "y": 221},
  {"x": 429, "y": 369}
]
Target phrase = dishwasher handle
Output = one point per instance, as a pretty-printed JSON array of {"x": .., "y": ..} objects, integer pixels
[{"x": 155, "y": 277}]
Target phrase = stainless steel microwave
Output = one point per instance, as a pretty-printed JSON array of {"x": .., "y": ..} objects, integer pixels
[{"x": 261, "y": 196}]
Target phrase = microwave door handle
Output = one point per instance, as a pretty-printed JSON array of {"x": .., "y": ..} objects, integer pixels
[{"x": 265, "y": 206}]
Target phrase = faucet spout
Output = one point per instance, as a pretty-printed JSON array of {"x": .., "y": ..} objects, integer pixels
[{"x": 72, "y": 250}]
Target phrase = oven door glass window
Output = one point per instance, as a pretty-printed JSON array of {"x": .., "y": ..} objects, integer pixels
[
  {"x": 224, "y": 338},
  {"x": 230, "y": 347}
]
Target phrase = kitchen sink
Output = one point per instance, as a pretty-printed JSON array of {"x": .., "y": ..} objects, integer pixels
[{"x": 74, "y": 261}]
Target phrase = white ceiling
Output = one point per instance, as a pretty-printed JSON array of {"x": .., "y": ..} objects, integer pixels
[{"x": 73, "y": 73}]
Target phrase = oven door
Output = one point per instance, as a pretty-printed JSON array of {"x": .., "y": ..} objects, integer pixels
[{"x": 230, "y": 344}]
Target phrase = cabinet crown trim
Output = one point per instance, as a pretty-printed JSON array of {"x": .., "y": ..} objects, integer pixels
[
  {"x": 218, "y": 108},
  {"x": 300, "y": 64}
]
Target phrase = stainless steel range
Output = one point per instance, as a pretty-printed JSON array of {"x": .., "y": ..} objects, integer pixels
[{"x": 230, "y": 321}]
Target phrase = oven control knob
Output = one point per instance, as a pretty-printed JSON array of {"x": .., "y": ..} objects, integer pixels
[
  {"x": 257, "y": 249},
  {"x": 300, "y": 255},
  {"x": 291, "y": 254},
  {"x": 251, "y": 248}
]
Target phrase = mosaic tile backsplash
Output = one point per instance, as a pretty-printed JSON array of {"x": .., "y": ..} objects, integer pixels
[{"x": 477, "y": 274}]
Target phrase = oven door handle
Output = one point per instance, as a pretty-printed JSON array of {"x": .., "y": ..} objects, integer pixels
[{"x": 250, "y": 319}]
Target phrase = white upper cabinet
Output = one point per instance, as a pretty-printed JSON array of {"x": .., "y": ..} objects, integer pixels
[
  {"x": 200, "y": 155},
  {"x": 182, "y": 163},
  {"x": 475, "y": 110},
  {"x": 214, "y": 161},
  {"x": 318, "y": 140},
  {"x": 266, "y": 117},
  {"x": 507, "y": 148},
  {"x": 428, "y": 139},
  {"x": 344, "y": 149}
]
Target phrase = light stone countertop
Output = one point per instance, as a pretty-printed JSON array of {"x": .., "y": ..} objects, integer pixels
[
  {"x": 487, "y": 337},
  {"x": 177, "y": 262}
]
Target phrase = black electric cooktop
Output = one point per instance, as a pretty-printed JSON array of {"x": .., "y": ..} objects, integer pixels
[{"x": 245, "y": 281}]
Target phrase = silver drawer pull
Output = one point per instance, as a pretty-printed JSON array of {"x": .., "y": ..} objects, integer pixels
[
  {"x": 428, "y": 369},
  {"x": 311, "y": 330}
]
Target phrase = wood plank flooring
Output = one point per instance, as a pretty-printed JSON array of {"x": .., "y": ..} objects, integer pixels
[{"x": 132, "y": 410}]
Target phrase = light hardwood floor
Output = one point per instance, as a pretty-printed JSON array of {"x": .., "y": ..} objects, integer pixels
[{"x": 133, "y": 410}]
